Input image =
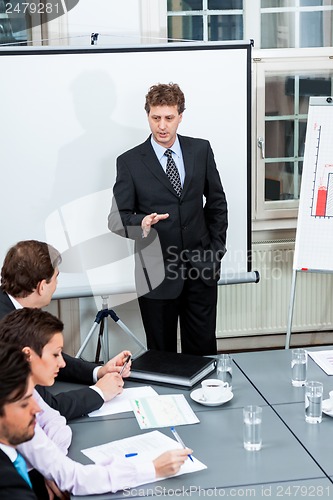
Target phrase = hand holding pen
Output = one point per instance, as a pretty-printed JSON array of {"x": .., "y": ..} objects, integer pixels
[
  {"x": 128, "y": 358},
  {"x": 180, "y": 441},
  {"x": 170, "y": 462},
  {"x": 116, "y": 364}
]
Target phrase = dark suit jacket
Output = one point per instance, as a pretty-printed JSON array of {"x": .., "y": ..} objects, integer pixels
[
  {"x": 193, "y": 232},
  {"x": 70, "y": 404},
  {"x": 12, "y": 485}
]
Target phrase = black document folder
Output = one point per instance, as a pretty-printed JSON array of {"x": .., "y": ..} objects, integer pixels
[{"x": 171, "y": 368}]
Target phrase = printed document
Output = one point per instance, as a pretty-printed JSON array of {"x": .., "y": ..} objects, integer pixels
[
  {"x": 324, "y": 359},
  {"x": 163, "y": 411},
  {"x": 143, "y": 447},
  {"x": 122, "y": 402}
]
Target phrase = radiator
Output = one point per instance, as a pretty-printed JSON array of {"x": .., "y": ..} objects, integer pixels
[{"x": 262, "y": 308}]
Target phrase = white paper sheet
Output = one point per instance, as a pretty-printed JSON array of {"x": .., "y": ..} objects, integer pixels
[
  {"x": 122, "y": 402},
  {"x": 324, "y": 359},
  {"x": 163, "y": 411},
  {"x": 148, "y": 446}
]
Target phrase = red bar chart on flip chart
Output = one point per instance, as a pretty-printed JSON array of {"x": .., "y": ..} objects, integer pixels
[{"x": 314, "y": 235}]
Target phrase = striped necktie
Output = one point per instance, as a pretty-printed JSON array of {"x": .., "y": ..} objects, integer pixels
[
  {"x": 172, "y": 172},
  {"x": 21, "y": 467}
]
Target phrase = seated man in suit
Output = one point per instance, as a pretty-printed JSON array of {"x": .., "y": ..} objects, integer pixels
[
  {"x": 18, "y": 411},
  {"x": 29, "y": 279},
  {"x": 39, "y": 335}
]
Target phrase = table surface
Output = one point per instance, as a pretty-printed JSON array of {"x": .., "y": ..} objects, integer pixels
[
  {"x": 270, "y": 374},
  {"x": 244, "y": 393},
  {"x": 295, "y": 459},
  {"x": 219, "y": 445}
]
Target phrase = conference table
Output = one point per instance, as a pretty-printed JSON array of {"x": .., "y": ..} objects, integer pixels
[
  {"x": 295, "y": 459},
  {"x": 288, "y": 401},
  {"x": 270, "y": 374}
]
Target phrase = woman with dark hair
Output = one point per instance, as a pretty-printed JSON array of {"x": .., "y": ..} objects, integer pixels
[{"x": 39, "y": 335}]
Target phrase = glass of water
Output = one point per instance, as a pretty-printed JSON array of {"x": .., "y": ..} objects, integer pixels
[
  {"x": 224, "y": 368},
  {"x": 313, "y": 402},
  {"x": 252, "y": 418},
  {"x": 299, "y": 363}
]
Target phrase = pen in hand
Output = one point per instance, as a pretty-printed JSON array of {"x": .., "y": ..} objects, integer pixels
[
  {"x": 125, "y": 364},
  {"x": 180, "y": 441}
]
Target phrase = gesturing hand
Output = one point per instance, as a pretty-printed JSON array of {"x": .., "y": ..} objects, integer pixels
[{"x": 150, "y": 220}]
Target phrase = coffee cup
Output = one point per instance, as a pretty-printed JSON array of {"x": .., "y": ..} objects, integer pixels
[{"x": 213, "y": 389}]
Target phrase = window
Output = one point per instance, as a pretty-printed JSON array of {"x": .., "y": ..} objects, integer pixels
[
  {"x": 296, "y": 23},
  {"x": 282, "y": 84},
  {"x": 284, "y": 87},
  {"x": 270, "y": 23},
  {"x": 24, "y": 23},
  {"x": 207, "y": 20},
  {"x": 13, "y": 25}
]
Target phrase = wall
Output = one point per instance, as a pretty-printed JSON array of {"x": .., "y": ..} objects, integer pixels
[{"x": 250, "y": 316}]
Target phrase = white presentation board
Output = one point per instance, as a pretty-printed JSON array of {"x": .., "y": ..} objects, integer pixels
[
  {"x": 66, "y": 115},
  {"x": 314, "y": 235}
]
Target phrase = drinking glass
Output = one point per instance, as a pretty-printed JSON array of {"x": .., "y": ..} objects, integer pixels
[
  {"x": 313, "y": 402},
  {"x": 252, "y": 418},
  {"x": 224, "y": 369},
  {"x": 299, "y": 362}
]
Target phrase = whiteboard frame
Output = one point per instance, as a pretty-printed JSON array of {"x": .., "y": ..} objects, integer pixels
[{"x": 76, "y": 289}]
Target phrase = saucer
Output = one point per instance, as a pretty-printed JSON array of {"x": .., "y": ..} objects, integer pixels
[
  {"x": 197, "y": 395},
  {"x": 327, "y": 407}
]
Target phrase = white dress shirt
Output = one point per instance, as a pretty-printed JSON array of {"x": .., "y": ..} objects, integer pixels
[
  {"x": 17, "y": 305},
  {"x": 177, "y": 157},
  {"x": 47, "y": 451},
  {"x": 10, "y": 451},
  {"x": 52, "y": 425}
]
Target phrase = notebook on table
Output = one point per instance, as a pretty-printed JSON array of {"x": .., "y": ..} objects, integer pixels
[{"x": 171, "y": 368}]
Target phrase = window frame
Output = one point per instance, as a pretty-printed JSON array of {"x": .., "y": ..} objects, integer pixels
[
  {"x": 205, "y": 13},
  {"x": 282, "y": 212}
]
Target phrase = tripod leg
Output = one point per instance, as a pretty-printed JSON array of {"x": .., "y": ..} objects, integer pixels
[
  {"x": 117, "y": 320},
  {"x": 131, "y": 334},
  {"x": 105, "y": 344},
  {"x": 103, "y": 332},
  {"x": 99, "y": 342},
  {"x": 86, "y": 340}
]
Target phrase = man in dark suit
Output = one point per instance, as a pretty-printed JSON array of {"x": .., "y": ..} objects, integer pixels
[
  {"x": 17, "y": 422},
  {"x": 171, "y": 182},
  {"x": 29, "y": 279}
]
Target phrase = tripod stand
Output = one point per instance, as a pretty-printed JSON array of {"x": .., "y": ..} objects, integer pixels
[{"x": 103, "y": 340}]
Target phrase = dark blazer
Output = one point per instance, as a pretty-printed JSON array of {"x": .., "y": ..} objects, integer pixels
[
  {"x": 70, "y": 404},
  {"x": 193, "y": 233},
  {"x": 12, "y": 485}
]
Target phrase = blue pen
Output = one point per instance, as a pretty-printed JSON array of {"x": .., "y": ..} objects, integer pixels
[
  {"x": 130, "y": 455},
  {"x": 180, "y": 441}
]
